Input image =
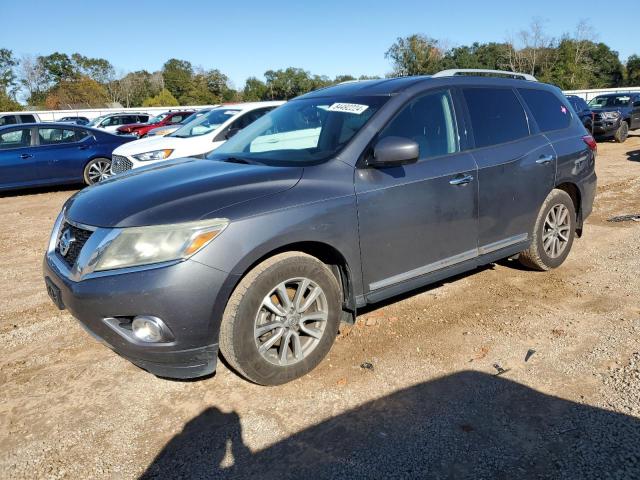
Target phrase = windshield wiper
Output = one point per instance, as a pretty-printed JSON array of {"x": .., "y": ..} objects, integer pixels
[{"x": 243, "y": 161}]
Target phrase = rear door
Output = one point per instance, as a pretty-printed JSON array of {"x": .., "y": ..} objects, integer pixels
[
  {"x": 18, "y": 161},
  {"x": 516, "y": 167},
  {"x": 63, "y": 152}
]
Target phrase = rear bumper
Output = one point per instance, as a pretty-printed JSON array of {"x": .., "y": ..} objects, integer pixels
[
  {"x": 588, "y": 193},
  {"x": 182, "y": 295}
]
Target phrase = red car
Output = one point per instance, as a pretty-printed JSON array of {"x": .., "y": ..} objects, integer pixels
[{"x": 166, "y": 118}]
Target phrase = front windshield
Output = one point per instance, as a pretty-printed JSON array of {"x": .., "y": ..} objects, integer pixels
[
  {"x": 301, "y": 131},
  {"x": 613, "y": 101},
  {"x": 158, "y": 118},
  {"x": 96, "y": 121},
  {"x": 205, "y": 123}
]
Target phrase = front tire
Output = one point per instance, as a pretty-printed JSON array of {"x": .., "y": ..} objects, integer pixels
[
  {"x": 97, "y": 170},
  {"x": 281, "y": 319},
  {"x": 622, "y": 132},
  {"x": 553, "y": 233}
]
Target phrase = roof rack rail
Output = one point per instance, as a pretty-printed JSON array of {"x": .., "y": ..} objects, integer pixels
[{"x": 471, "y": 71}]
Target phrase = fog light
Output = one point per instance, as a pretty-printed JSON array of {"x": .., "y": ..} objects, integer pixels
[{"x": 148, "y": 329}]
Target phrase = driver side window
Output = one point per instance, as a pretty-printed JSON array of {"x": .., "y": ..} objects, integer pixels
[{"x": 429, "y": 121}]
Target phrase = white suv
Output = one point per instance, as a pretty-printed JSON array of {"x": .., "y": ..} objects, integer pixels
[
  {"x": 198, "y": 137},
  {"x": 112, "y": 121}
]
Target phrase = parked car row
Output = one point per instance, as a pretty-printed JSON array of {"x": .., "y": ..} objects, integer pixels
[
  {"x": 52, "y": 153},
  {"x": 610, "y": 115}
]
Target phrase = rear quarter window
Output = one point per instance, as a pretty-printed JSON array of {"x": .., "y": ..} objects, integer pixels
[
  {"x": 547, "y": 109},
  {"x": 496, "y": 115}
]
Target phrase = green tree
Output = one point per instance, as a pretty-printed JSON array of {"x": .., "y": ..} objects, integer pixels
[
  {"x": 208, "y": 87},
  {"x": 415, "y": 55},
  {"x": 97, "y": 69},
  {"x": 289, "y": 83},
  {"x": 633, "y": 71},
  {"x": 58, "y": 67},
  {"x": 8, "y": 63},
  {"x": 254, "y": 90},
  {"x": 177, "y": 76},
  {"x": 162, "y": 99},
  {"x": 8, "y": 104}
]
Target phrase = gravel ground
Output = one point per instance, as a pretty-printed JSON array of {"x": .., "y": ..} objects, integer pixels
[{"x": 500, "y": 373}]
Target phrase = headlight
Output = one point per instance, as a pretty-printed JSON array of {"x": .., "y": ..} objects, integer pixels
[
  {"x": 610, "y": 115},
  {"x": 136, "y": 246},
  {"x": 155, "y": 155}
]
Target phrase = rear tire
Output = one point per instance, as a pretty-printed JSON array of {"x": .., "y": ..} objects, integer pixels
[
  {"x": 553, "y": 233},
  {"x": 259, "y": 323},
  {"x": 622, "y": 133},
  {"x": 97, "y": 170}
]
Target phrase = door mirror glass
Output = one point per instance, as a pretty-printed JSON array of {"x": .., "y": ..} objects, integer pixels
[{"x": 394, "y": 151}]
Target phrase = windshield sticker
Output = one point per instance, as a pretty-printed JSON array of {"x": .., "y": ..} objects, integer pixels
[{"x": 348, "y": 108}]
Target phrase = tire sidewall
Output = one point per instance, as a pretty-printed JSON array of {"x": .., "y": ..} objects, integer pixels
[
  {"x": 85, "y": 173},
  {"x": 556, "y": 198},
  {"x": 254, "y": 365}
]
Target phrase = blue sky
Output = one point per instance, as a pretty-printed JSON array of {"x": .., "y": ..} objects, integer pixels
[{"x": 247, "y": 37}]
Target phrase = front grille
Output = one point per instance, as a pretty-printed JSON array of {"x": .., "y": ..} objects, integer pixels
[
  {"x": 120, "y": 164},
  {"x": 79, "y": 237}
]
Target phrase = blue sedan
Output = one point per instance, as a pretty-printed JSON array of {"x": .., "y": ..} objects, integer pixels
[{"x": 36, "y": 154}]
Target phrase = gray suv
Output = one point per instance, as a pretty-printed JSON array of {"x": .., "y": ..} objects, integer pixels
[{"x": 340, "y": 198}]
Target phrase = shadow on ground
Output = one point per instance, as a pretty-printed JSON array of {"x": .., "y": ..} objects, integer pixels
[
  {"x": 467, "y": 425},
  {"x": 634, "y": 155}
]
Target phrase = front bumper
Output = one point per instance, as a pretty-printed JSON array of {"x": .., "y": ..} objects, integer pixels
[
  {"x": 605, "y": 128},
  {"x": 183, "y": 295}
]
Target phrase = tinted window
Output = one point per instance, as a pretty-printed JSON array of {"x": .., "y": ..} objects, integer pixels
[
  {"x": 27, "y": 119},
  {"x": 496, "y": 115},
  {"x": 55, "y": 136},
  {"x": 549, "y": 112},
  {"x": 15, "y": 138},
  {"x": 80, "y": 135},
  {"x": 250, "y": 117},
  {"x": 176, "y": 118},
  {"x": 7, "y": 120},
  {"x": 429, "y": 120}
]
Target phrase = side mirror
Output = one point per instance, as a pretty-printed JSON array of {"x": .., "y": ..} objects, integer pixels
[
  {"x": 636, "y": 103},
  {"x": 231, "y": 133},
  {"x": 393, "y": 152}
]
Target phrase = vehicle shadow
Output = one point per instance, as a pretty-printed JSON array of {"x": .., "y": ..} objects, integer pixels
[
  {"x": 634, "y": 155},
  {"x": 37, "y": 190},
  {"x": 466, "y": 425}
]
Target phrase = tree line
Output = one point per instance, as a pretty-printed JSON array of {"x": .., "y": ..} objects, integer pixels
[{"x": 61, "y": 81}]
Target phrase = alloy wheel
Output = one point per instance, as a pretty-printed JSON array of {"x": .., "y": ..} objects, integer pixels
[
  {"x": 99, "y": 171},
  {"x": 291, "y": 321},
  {"x": 556, "y": 230}
]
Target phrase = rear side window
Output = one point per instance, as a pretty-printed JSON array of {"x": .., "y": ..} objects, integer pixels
[
  {"x": 55, "y": 136},
  {"x": 549, "y": 112},
  {"x": 27, "y": 119},
  {"x": 496, "y": 115},
  {"x": 429, "y": 121}
]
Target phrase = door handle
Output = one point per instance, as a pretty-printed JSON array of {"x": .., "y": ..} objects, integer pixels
[
  {"x": 83, "y": 147},
  {"x": 24, "y": 156},
  {"x": 461, "y": 179},
  {"x": 544, "y": 159}
]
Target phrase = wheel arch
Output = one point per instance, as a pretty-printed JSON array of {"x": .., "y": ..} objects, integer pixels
[
  {"x": 576, "y": 197},
  {"x": 324, "y": 252}
]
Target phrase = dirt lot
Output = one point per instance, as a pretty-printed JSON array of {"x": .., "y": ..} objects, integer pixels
[{"x": 432, "y": 404}]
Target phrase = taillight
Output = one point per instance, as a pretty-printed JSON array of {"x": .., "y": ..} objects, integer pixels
[{"x": 591, "y": 142}]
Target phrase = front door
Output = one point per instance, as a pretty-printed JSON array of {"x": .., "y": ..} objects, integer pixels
[
  {"x": 419, "y": 218},
  {"x": 18, "y": 160}
]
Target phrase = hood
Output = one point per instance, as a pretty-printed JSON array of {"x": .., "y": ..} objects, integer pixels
[{"x": 176, "y": 191}]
